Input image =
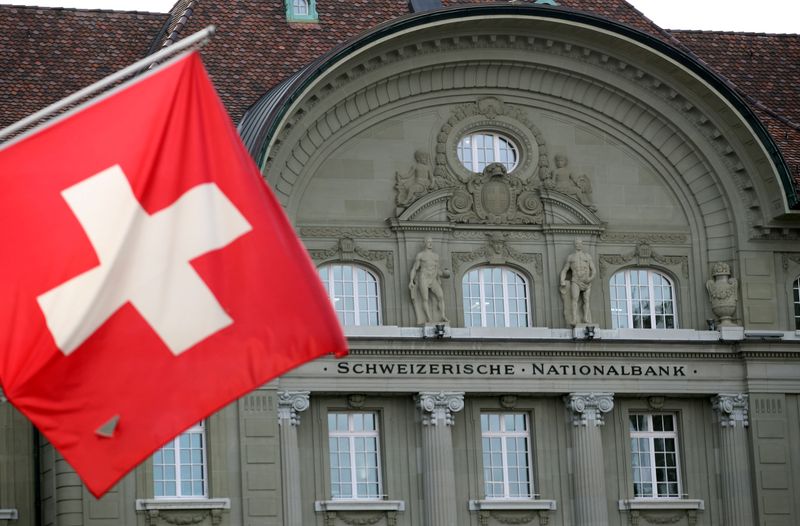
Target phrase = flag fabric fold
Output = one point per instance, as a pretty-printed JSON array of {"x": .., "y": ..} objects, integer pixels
[{"x": 149, "y": 276}]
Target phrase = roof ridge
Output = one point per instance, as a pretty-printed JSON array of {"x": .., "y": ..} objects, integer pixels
[
  {"x": 732, "y": 32},
  {"x": 80, "y": 9},
  {"x": 180, "y": 24}
]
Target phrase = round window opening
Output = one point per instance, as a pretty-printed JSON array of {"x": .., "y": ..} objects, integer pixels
[{"x": 480, "y": 149}]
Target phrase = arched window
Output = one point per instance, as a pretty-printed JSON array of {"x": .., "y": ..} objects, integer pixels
[
  {"x": 642, "y": 299},
  {"x": 354, "y": 292},
  {"x": 796, "y": 296},
  {"x": 495, "y": 297}
]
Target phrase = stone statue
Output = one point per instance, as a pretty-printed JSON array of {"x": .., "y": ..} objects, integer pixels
[
  {"x": 564, "y": 180},
  {"x": 416, "y": 182},
  {"x": 426, "y": 286},
  {"x": 576, "y": 285},
  {"x": 723, "y": 291}
]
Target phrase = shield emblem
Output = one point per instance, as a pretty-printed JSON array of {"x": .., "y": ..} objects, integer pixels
[{"x": 496, "y": 197}]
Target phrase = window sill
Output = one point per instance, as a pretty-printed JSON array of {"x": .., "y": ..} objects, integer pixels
[
  {"x": 359, "y": 505},
  {"x": 662, "y": 504},
  {"x": 182, "y": 504},
  {"x": 8, "y": 515},
  {"x": 510, "y": 505}
]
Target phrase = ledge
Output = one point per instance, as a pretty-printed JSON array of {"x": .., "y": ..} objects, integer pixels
[
  {"x": 8, "y": 515},
  {"x": 183, "y": 504},
  {"x": 359, "y": 505},
  {"x": 510, "y": 505},
  {"x": 536, "y": 333},
  {"x": 662, "y": 504}
]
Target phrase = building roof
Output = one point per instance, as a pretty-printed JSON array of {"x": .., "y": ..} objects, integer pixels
[
  {"x": 46, "y": 54},
  {"x": 765, "y": 70}
]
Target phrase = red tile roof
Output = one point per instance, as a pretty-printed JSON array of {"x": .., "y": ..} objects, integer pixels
[
  {"x": 765, "y": 70},
  {"x": 47, "y": 54}
]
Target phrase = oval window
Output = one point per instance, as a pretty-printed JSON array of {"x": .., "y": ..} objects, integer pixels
[{"x": 479, "y": 149}]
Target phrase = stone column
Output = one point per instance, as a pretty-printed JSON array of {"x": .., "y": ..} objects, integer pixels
[
  {"x": 586, "y": 412},
  {"x": 731, "y": 413},
  {"x": 437, "y": 456},
  {"x": 290, "y": 403}
]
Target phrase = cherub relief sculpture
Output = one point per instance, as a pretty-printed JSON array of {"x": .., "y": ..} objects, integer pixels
[
  {"x": 723, "y": 291},
  {"x": 416, "y": 182},
  {"x": 425, "y": 286},
  {"x": 576, "y": 286},
  {"x": 564, "y": 180}
]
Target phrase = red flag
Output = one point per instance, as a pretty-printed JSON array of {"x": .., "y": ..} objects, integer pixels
[{"x": 148, "y": 275}]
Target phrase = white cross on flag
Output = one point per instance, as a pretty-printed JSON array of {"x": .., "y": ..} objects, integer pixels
[{"x": 148, "y": 275}]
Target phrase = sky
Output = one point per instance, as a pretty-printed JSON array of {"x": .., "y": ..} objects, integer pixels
[{"x": 768, "y": 16}]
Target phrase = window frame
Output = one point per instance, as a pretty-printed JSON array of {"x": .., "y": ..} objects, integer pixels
[
  {"x": 352, "y": 435},
  {"x": 482, "y": 299},
  {"x": 504, "y": 435},
  {"x": 357, "y": 312},
  {"x": 293, "y": 16},
  {"x": 651, "y": 435},
  {"x": 496, "y": 142},
  {"x": 795, "y": 307},
  {"x": 653, "y": 315},
  {"x": 197, "y": 429}
]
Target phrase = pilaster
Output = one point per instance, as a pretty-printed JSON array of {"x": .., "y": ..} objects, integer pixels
[
  {"x": 586, "y": 413},
  {"x": 290, "y": 404},
  {"x": 437, "y": 416},
  {"x": 731, "y": 412}
]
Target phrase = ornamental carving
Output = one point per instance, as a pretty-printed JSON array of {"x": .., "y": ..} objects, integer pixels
[
  {"x": 731, "y": 410},
  {"x": 290, "y": 404},
  {"x": 495, "y": 197},
  {"x": 787, "y": 258},
  {"x": 673, "y": 238},
  {"x": 497, "y": 252},
  {"x": 643, "y": 255},
  {"x": 588, "y": 408},
  {"x": 158, "y": 518},
  {"x": 357, "y": 519},
  {"x": 563, "y": 179},
  {"x": 346, "y": 249},
  {"x": 332, "y": 231},
  {"x": 416, "y": 182},
  {"x": 723, "y": 292},
  {"x": 439, "y": 407}
]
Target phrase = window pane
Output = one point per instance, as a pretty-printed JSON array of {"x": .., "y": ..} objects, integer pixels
[
  {"x": 495, "y": 297},
  {"x": 642, "y": 299},
  {"x": 354, "y": 293}
]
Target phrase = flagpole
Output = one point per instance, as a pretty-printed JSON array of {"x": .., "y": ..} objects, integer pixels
[{"x": 197, "y": 39}]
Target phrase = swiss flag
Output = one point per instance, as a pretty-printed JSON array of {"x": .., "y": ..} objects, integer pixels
[{"x": 148, "y": 275}]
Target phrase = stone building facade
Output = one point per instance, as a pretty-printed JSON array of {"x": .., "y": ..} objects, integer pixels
[{"x": 565, "y": 253}]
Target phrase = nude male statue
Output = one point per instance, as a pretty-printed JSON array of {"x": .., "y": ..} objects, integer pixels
[
  {"x": 425, "y": 281},
  {"x": 582, "y": 271}
]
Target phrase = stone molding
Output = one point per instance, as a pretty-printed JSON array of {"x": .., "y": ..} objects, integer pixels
[
  {"x": 2, "y": 396},
  {"x": 497, "y": 252},
  {"x": 346, "y": 249},
  {"x": 290, "y": 404},
  {"x": 8, "y": 514},
  {"x": 377, "y": 92},
  {"x": 257, "y": 401},
  {"x": 510, "y": 235},
  {"x": 340, "y": 232},
  {"x": 438, "y": 407},
  {"x": 670, "y": 238},
  {"x": 359, "y": 512},
  {"x": 589, "y": 407},
  {"x": 182, "y": 512},
  {"x": 656, "y": 511},
  {"x": 643, "y": 254},
  {"x": 731, "y": 409}
]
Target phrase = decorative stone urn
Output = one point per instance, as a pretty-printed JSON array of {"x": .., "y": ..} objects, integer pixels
[{"x": 723, "y": 293}]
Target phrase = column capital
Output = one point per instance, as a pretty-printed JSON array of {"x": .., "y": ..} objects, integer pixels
[
  {"x": 730, "y": 409},
  {"x": 290, "y": 403},
  {"x": 439, "y": 406},
  {"x": 589, "y": 407}
]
